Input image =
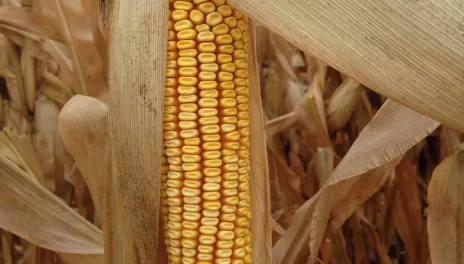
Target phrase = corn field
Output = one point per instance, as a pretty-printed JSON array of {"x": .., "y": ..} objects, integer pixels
[{"x": 231, "y": 131}]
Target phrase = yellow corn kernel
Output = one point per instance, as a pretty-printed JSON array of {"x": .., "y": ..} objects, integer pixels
[{"x": 205, "y": 199}]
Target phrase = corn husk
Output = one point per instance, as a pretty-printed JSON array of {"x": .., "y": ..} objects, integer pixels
[
  {"x": 136, "y": 122},
  {"x": 365, "y": 168},
  {"x": 445, "y": 195},
  {"x": 377, "y": 61}
]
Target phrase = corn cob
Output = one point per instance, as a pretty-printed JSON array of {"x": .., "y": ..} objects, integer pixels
[{"x": 205, "y": 182}]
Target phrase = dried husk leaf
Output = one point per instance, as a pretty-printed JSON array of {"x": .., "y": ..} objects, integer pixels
[
  {"x": 280, "y": 124},
  {"x": 58, "y": 96},
  {"x": 324, "y": 164},
  {"x": 83, "y": 125},
  {"x": 342, "y": 103},
  {"x": 282, "y": 52},
  {"x": 14, "y": 3},
  {"x": 99, "y": 29},
  {"x": 69, "y": 258},
  {"x": 137, "y": 63},
  {"x": 61, "y": 54},
  {"x": 17, "y": 137},
  {"x": 7, "y": 247},
  {"x": 311, "y": 114},
  {"x": 446, "y": 210},
  {"x": 28, "y": 71},
  {"x": 58, "y": 84},
  {"x": 403, "y": 128},
  {"x": 30, "y": 211},
  {"x": 408, "y": 59},
  {"x": 46, "y": 121},
  {"x": 374, "y": 238},
  {"x": 53, "y": 9},
  {"x": 451, "y": 139},
  {"x": 89, "y": 71},
  {"x": 290, "y": 185},
  {"x": 362, "y": 171},
  {"x": 259, "y": 175},
  {"x": 30, "y": 22},
  {"x": 43, "y": 144},
  {"x": 10, "y": 69},
  {"x": 407, "y": 211}
]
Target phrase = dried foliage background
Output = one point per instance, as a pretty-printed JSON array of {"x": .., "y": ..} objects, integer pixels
[{"x": 354, "y": 177}]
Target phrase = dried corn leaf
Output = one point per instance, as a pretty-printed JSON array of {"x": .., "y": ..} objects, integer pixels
[
  {"x": 54, "y": 94},
  {"x": 288, "y": 183},
  {"x": 28, "y": 71},
  {"x": 10, "y": 69},
  {"x": 83, "y": 125},
  {"x": 373, "y": 155},
  {"x": 451, "y": 139},
  {"x": 342, "y": 103},
  {"x": 30, "y": 211},
  {"x": 43, "y": 144},
  {"x": 310, "y": 111},
  {"x": 27, "y": 21},
  {"x": 325, "y": 164},
  {"x": 89, "y": 73},
  {"x": 46, "y": 121},
  {"x": 99, "y": 29},
  {"x": 407, "y": 59},
  {"x": 137, "y": 77},
  {"x": 407, "y": 211},
  {"x": 373, "y": 237},
  {"x": 69, "y": 258},
  {"x": 280, "y": 123},
  {"x": 446, "y": 210},
  {"x": 7, "y": 247},
  {"x": 259, "y": 174},
  {"x": 61, "y": 54}
]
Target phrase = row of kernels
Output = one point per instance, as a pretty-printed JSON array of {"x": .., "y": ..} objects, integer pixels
[
  {"x": 164, "y": 204},
  {"x": 211, "y": 152},
  {"x": 188, "y": 116},
  {"x": 242, "y": 229},
  {"x": 169, "y": 135},
  {"x": 227, "y": 104}
]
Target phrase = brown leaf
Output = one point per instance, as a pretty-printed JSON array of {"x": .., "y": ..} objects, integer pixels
[
  {"x": 10, "y": 69},
  {"x": 30, "y": 211},
  {"x": 407, "y": 210},
  {"x": 310, "y": 111},
  {"x": 342, "y": 103},
  {"x": 446, "y": 210},
  {"x": 28, "y": 72},
  {"x": 374, "y": 239},
  {"x": 83, "y": 125},
  {"x": 260, "y": 204},
  {"x": 362, "y": 171},
  {"x": 69, "y": 258},
  {"x": 280, "y": 123},
  {"x": 7, "y": 247},
  {"x": 46, "y": 122},
  {"x": 43, "y": 144},
  {"x": 288, "y": 183},
  {"x": 30, "y": 22},
  {"x": 407, "y": 59},
  {"x": 89, "y": 70}
]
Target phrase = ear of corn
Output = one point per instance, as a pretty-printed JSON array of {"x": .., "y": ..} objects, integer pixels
[{"x": 205, "y": 193}]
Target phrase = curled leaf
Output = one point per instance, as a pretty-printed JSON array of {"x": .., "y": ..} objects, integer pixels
[
  {"x": 362, "y": 171},
  {"x": 32, "y": 212},
  {"x": 446, "y": 210}
]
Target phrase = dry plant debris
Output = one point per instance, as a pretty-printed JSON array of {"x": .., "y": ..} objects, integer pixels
[{"x": 354, "y": 177}]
